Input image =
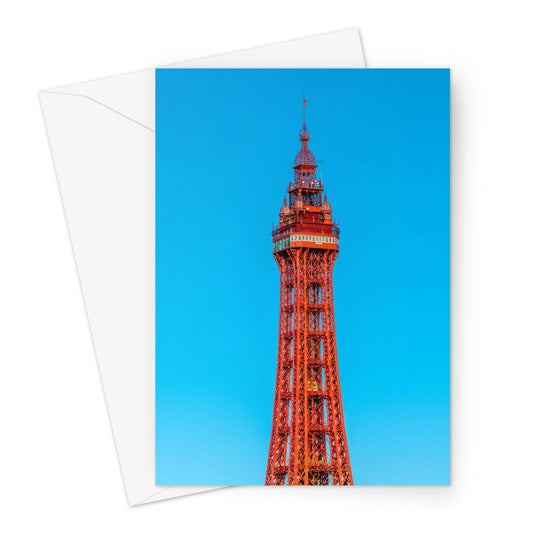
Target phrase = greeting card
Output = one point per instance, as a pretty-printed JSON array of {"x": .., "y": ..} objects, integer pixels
[{"x": 302, "y": 277}]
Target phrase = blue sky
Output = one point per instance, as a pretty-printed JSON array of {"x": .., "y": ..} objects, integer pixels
[{"x": 225, "y": 143}]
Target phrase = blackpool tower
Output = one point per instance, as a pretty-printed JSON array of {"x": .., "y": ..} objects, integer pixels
[{"x": 308, "y": 444}]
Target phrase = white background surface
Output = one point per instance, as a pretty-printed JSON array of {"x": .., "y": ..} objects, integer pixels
[{"x": 58, "y": 466}]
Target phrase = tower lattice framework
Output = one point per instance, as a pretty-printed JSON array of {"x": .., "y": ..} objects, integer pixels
[{"x": 308, "y": 444}]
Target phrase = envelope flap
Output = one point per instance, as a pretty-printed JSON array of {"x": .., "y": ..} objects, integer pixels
[{"x": 126, "y": 95}]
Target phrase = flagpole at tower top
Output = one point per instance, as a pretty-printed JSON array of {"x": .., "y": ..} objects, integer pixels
[{"x": 304, "y": 104}]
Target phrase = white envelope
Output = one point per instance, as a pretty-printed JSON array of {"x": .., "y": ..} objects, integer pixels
[{"x": 102, "y": 137}]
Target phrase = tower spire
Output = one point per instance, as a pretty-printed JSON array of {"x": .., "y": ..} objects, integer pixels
[
  {"x": 304, "y": 162},
  {"x": 304, "y": 132}
]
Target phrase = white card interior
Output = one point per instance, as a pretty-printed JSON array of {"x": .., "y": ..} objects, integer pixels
[{"x": 102, "y": 138}]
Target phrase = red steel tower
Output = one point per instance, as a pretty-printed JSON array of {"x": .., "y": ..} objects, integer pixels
[{"x": 308, "y": 444}]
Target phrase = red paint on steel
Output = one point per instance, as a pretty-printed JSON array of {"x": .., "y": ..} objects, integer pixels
[{"x": 308, "y": 444}]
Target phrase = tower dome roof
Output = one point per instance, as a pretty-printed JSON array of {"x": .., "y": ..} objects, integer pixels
[{"x": 304, "y": 157}]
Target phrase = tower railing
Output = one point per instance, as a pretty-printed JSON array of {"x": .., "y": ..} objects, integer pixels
[
  {"x": 315, "y": 229},
  {"x": 306, "y": 181}
]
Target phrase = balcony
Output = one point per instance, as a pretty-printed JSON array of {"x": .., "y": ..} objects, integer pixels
[{"x": 314, "y": 229}]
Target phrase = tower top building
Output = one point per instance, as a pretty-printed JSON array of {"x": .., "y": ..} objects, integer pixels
[{"x": 306, "y": 218}]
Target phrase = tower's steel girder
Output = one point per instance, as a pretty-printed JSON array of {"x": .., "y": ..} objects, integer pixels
[{"x": 308, "y": 444}]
